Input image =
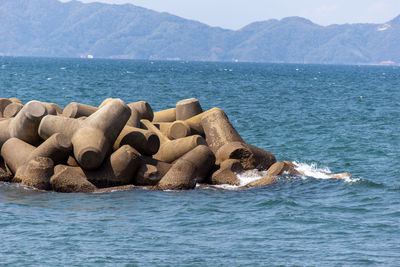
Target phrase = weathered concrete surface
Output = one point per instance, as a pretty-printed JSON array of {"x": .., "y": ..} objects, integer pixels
[
  {"x": 239, "y": 151},
  {"x": 36, "y": 173},
  {"x": 172, "y": 150},
  {"x": 12, "y": 110},
  {"x": 25, "y": 124},
  {"x": 93, "y": 137},
  {"x": 227, "y": 174},
  {"x": 187, "y": 108},
  {"x": 144, "y": 141},
  {"x": 144, "y": 109},
  {"x": 181, "y": 176},
  {"x": 77, "y": 110},
  {"x": 167, "y": 115},
  {"x": 69, "y": 180},
  {"x": 203, "y": 159},
  {"x": 218, "y": 130},
  {"x": 174, "y": 130},
  {"x": 17, "y": 153}
]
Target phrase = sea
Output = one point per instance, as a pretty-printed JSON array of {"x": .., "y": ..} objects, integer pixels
[{"x": 325, "y": 118}]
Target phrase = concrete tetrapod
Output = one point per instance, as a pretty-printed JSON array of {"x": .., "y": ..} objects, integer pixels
[
  {"x": 151, "y": 171},
  {"x": 17, "y": 153},
  {"x": 4, "y": 102},
  {"x": 147, "y": 175},
  {"x": 134, "y": 119},
  {"x": 174, "y": 130},
  {"x": 218, "y": 129},
  {"x": 195, "y": 122},
  {"x": 227, "y": 174},
  {"x": 93, "y": 137},
  {"x": 264, "y": 159},
  {"x": 144, "y": 141},
  {"x": 239, "y": 151},
  {"x": 24, "y": 125},
  {"x": 203, "y": 159},
  {"x": 187, "y": 108},
  {"x": 181, "y": 176},
  {"x": 144, "y": 109},
  {"x": 25, "y": 120},
  {"x": 70, "y": 180},
  {"x": 36, "y": 173},
  {"x": 105, "y": 101},
  {"x": 167, "y": 115},
  {"x": 224, "y": 140},
  {"x": 172, "y": 150},
  {"x": 77, "y": 110},
  {"x": 52, "y": 108},
  {"x": 12, "y": 110},
  {"x": 117, "y": 170},
  {"x": 58, "y": 148},
  {"x": 51, "y": 124},
  {"x": 162, "y": 167}
]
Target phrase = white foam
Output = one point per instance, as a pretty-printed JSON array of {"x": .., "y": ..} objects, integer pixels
[
  {"x": 244, "y": 178},
  {"x": 249, "y": 177},
  {"x": 309, "y": 171},
  {"x": 312, "y": 170}
]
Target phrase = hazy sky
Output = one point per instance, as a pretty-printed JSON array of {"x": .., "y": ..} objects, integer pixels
[{"x": 234, "y": 14}]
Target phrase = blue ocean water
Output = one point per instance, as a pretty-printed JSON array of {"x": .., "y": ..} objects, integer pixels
[{"x": 326, "y": 118}]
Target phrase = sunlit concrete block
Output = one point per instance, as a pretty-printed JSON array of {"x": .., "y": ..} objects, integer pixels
[
  {"x": 144, "y": 141},
  {"x": 93, "y": 137},
  {"x": 172, "y": 150},
  {"x": 187, "y": 108},
  {"x": 167, "y": 115}
]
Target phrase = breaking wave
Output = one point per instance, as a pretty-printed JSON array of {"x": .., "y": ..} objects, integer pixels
[
  {"x": 311, "y": 170},
  {"x": 314, "y": 171}
]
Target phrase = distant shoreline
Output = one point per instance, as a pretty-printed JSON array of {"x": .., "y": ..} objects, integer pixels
[
  {"x": 204, "y": 61},
  {"x": 51, "y": 28}
]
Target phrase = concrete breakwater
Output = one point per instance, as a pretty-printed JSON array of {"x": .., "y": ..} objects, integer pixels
[{"x": 116, "y": 145}]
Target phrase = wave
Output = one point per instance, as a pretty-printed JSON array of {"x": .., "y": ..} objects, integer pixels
[{"x": 311, "y": 170}]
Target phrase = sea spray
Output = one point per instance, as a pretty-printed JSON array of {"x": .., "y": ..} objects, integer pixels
[
  {"x": 314, "y": 171},
  {"x": 310, "y": 170}
]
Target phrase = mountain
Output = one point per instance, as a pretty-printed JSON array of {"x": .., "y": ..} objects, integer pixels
[{"x": 73, "y": 29}]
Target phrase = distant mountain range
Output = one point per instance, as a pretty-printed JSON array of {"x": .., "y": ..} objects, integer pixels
[{"x": 73, "y": 29}]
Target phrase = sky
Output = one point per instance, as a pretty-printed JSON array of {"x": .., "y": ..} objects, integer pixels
[{"x": 235, "y": 14}]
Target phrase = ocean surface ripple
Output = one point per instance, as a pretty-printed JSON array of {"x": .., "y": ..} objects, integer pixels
[{"x": 328, "y": 119}]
